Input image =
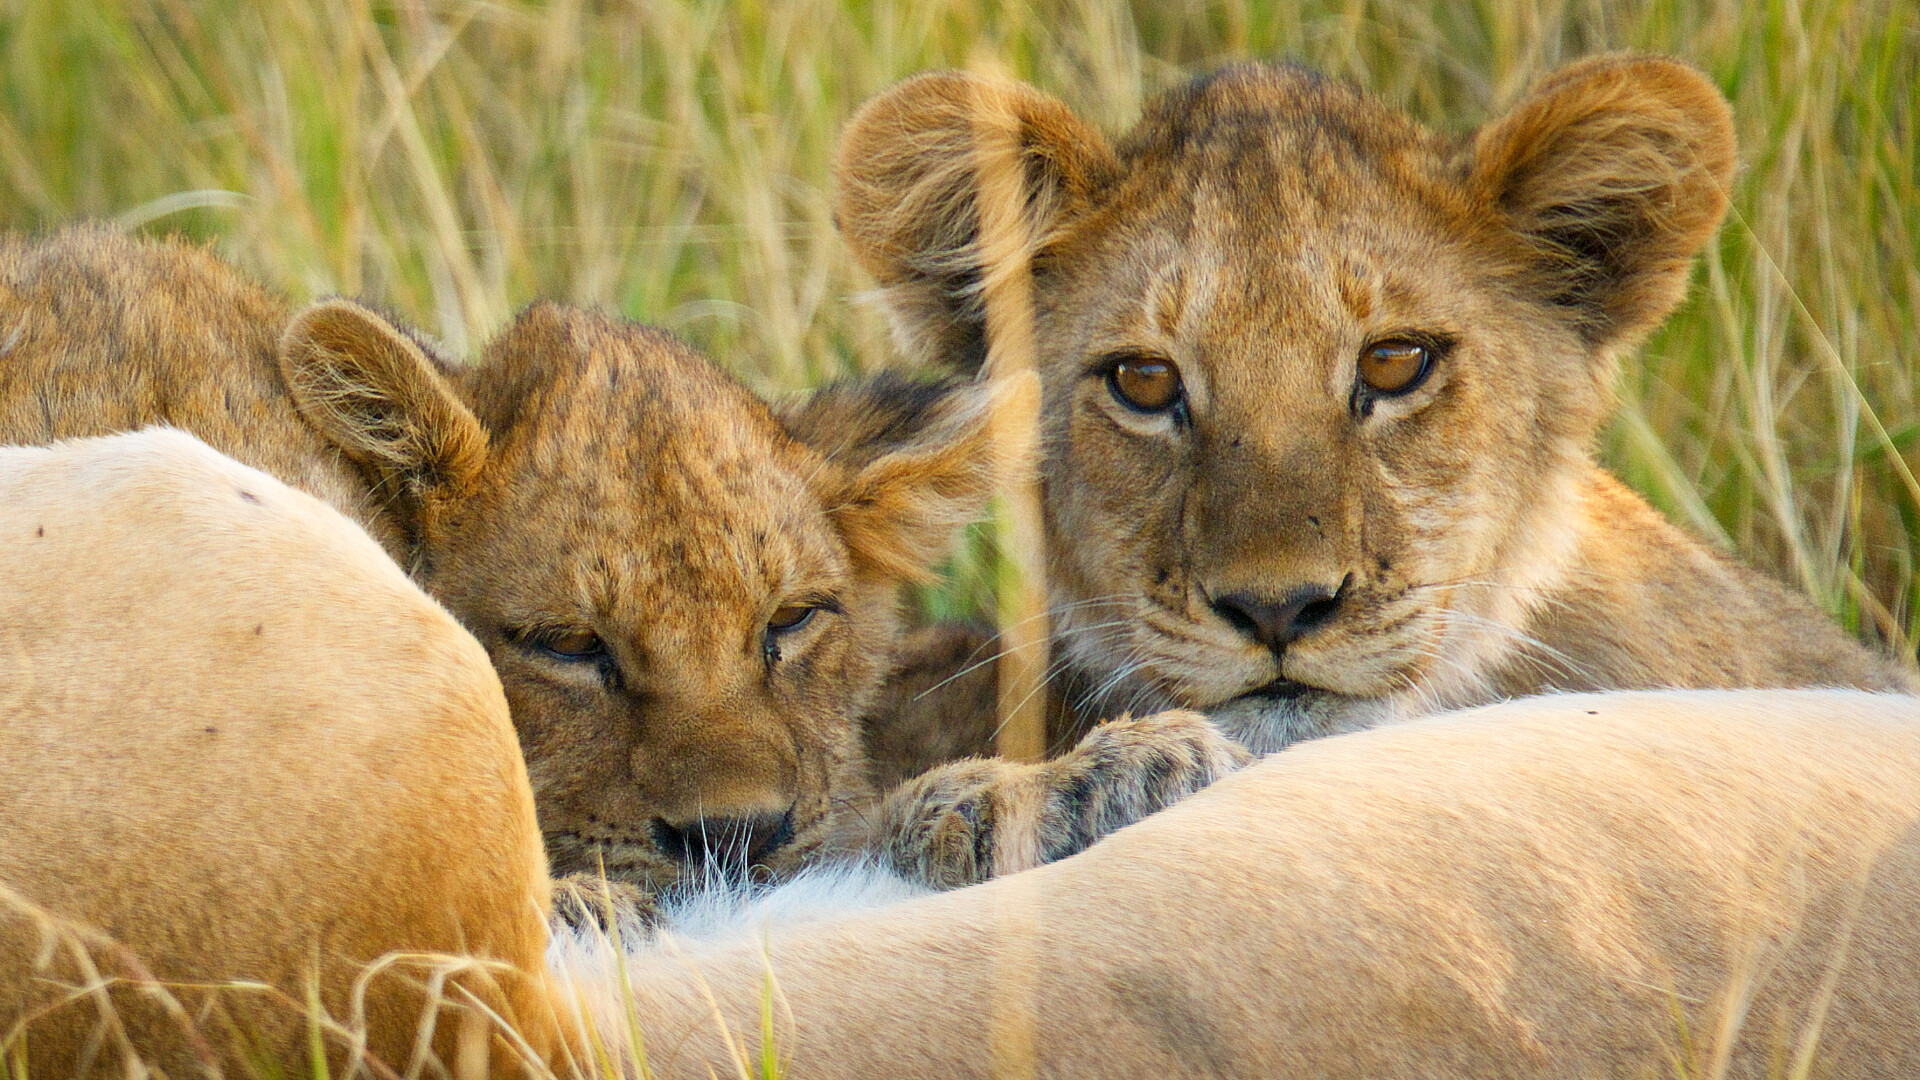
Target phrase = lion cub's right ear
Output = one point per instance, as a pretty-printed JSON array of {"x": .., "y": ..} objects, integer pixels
[
  {"x": 377, "y": 395},
  {"x": 1615, "y": 171},
  {"x": 911, "y": 462},
  {"x": 906, "y": 195}
]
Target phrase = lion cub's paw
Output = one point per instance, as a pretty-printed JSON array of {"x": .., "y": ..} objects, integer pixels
[
  {"x": 976, "y": 819},
  {"x": 589, "y": 903}
]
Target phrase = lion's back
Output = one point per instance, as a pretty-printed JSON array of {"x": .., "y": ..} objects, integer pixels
[
  {"x": 206, "y": 679},
  {"x": 102, "y": 333}
]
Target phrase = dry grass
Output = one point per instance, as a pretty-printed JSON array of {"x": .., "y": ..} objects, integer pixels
[{"x": 668, "y": 158}]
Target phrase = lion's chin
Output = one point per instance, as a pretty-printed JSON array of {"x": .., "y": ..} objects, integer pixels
[
  {"x": 1282, "y": 689},
  {"x": 1283, "y": 712}
]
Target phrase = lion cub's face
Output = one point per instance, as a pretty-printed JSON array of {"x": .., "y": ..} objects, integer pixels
[
  {"x": 688, "y": 605},
  {"x": 1318, "y": 382}
]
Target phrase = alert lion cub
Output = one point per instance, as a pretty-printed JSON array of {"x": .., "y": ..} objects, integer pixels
[
  {"x": 1702, "y": 883},
  {"x": 1322, "y": 389}
]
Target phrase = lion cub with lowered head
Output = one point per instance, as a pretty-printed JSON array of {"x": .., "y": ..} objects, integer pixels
[
  {"x": 687, "y": 605},
  {"x": 1321, "y": 389}
]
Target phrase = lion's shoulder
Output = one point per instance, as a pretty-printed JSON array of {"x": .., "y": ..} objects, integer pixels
[{"x": 107, "y": 333}]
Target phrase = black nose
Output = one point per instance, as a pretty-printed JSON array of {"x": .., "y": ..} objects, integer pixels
[
  {"x": 1279, "y": 623},
  {"x": 731, "y": 844}
]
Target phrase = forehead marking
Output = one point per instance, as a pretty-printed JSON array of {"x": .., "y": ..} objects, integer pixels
[
  {"x": 1357, "y": 291},
  {"x": 1165, "y": 300},
  {"x": 1199, "y": 265}
]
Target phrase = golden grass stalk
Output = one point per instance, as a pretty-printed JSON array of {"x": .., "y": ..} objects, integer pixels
[{"x": 1006, "y": 244}]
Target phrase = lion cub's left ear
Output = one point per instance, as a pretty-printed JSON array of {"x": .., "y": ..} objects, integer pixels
[
  {"x": 379, "y": 396},
  {"x": 1615, "y": 170},
  {"x": 911, "y": 462}
]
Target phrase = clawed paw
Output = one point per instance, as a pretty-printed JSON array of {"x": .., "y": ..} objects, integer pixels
[
  {"x": 938, "y": 828},
  {"x": 1124, "y": 770},
  {"x": 977, "y": 819}
]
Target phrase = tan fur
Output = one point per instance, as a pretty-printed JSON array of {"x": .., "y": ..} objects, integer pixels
[
  {"x": 1702, "y": 883},
  {"x": 584, "y": 475},
  {"x": 1259, "y": 229},
  {"x": 958, "y": 819},
  {"x": 1707, "y": 883},
  {"x": 240, "y": 745}
]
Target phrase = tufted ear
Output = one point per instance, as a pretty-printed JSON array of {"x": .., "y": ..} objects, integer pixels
[
  {"x": 911, "y": 462},
  {"x": 1615, "y": 171},
  {"x": 377, "y": 395},
  {"x": 906, "y": 197}
]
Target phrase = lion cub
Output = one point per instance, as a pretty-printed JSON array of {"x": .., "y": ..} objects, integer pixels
[
  {"x": 1322, "y": 388},
  {"x": 688, "y": 600}
]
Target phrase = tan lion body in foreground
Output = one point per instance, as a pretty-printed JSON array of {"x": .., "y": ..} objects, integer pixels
[
  {"x": 276, "y": 753},
  {"x": 1321, "y": 393},
  {"x": 1616, "y": 885}
]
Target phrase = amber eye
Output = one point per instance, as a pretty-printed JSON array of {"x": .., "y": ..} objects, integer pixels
[
  {"x": 1395, "y": 367},
  {"x": 572, "y": 644},
  {"x": 791, "y": 617},
  {"x": 1145, "y": 384}
]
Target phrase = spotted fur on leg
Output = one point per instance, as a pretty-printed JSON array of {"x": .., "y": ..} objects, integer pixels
[{"x": 979, "y": 818}]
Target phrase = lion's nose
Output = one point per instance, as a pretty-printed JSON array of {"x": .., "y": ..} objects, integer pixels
[
  {"x": 732, "y": 845},
  {"x": 1277, "y": 623}
]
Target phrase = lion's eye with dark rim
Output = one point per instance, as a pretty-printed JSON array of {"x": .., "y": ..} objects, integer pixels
[
  {"x": 789, "y": 619},
  {"x": 1391, "y": 368},
  {"x": 578, "y": 645},
  {"x": 1144, "y": 383}
]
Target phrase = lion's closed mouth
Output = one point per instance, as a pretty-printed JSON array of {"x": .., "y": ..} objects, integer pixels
[{"x": 1281, "y": 689}]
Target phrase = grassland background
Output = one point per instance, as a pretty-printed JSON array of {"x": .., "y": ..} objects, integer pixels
[{"x": 669, "y": 159}]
